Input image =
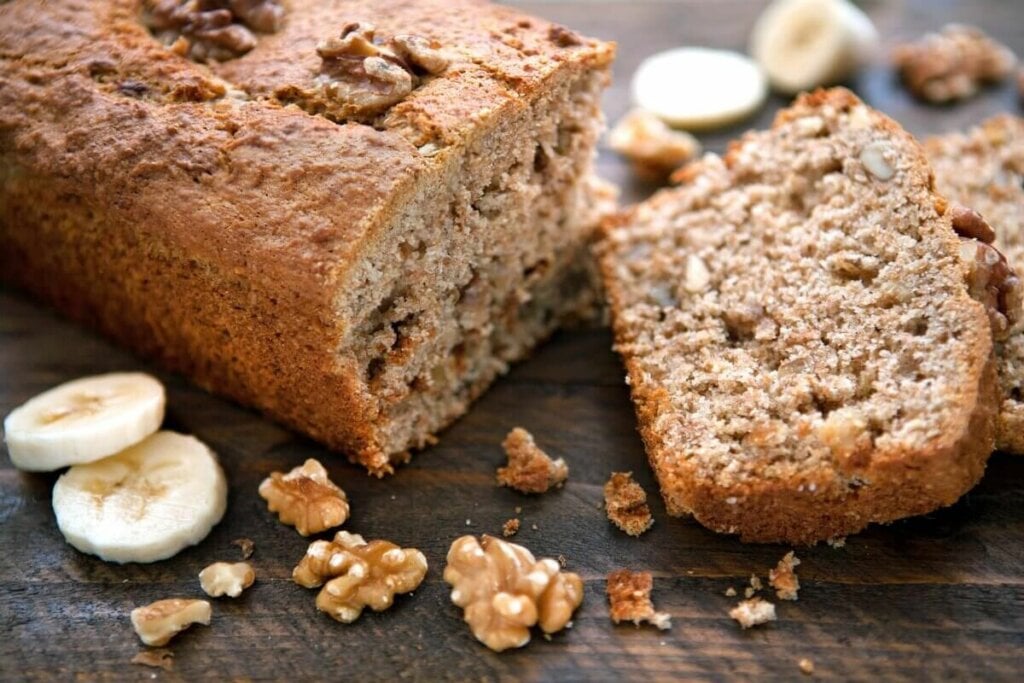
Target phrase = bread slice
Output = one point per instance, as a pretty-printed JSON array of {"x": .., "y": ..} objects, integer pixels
[
  {"x": 984, "y": 169},
  {"x": 800, "y": 344},
  {"x": 354, "y": 219}
]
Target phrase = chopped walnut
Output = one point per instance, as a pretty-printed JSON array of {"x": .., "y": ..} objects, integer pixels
[
  {"x": 629, "y": 594},
  {"x": 753, "y": 612},
  {"x": 158, "y": 622},
  {"x": 529, "y": 469},
  {"x": 730, "y": 592},
  {"x": 356, "y": 574},
  {"x": 510, "y": 527},
  {"x": 625, "y": 503},
  {"x": 969, "y": 223},
  {"x": 992, "y": 282},
  {"x": 159, "y": 658},
  {"x": 226, "y": 578},
  {"x": 784, "y": 579},
  {"x": 363, "y": 76},
  {"x": 655, "y": 149},
  {"x": 306, "y": 498},
  {"x": 504, "y": 591},
  {"x": 246, "y": 545},
  {"x": 806, "y": 666},
  {"x": 952, "y": 64},
  {"x": 211, "y": 30}
]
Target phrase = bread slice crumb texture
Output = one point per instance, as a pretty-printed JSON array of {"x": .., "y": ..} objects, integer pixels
[{"x": 802, "y": 350}]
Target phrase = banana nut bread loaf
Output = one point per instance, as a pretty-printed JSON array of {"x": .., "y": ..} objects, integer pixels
[
  {"x": 984, "y": 169},
  {"x": 352, "y": 215},
  {"x": 802, "y": 350}
]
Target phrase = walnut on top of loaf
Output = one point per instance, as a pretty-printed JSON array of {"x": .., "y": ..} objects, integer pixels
[{"x": 211, "y": 30}]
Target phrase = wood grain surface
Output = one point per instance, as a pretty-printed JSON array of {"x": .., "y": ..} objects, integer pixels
[{"x": 933, "y": 598}]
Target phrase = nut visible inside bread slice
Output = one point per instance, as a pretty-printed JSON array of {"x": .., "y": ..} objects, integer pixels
[{"x": 833, "y": 370}]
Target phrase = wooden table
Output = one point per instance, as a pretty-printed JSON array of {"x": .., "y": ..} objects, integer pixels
[{"x": 940, "y": 597}]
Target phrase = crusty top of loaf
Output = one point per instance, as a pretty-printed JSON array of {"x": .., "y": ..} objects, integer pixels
[
  {"x": 795, "y": 312},
  {"x": 205, "y": 156}
]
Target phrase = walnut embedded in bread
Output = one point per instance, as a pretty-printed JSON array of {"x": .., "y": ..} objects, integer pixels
[
  {"x": 363, "y": 76},
  {"x": 211, "y": 30},
  {"x": 991, "y": 281}
]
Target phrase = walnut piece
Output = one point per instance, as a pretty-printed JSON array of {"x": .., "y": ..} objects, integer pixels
[
  {"x": 356, "y": 574},
  {"x": 246, "y": 545},
  {"x": 952, "y": 64},
  {"x": 504, "y": 591},
  {"x": 159, "y": 658},
  {"x": 363, "y": 76},
  {"x": 226, "y": 578},
  {"x": 529, "y": 469},
  {"x": 306, "y": 498},
  {"x": 211, "y": 30},
  {"x": 629, "y": 594},
  {"x": 625, "y": 503},
  {"x": 806, "y": 666},
  {"x": 784, "y": 579},
  {"x": 753, "y": 612},
  {"x": 158, "y": 622},
  {"x": 510, "y": 527},
  {"x": 992, "y": 282},
  {"x": 654, "y": 149}
]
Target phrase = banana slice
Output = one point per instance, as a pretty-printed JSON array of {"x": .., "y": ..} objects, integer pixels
[
  {"x": 144, "y": 504},
  {"x": 84, "y": 421},
  {"x": 698, "y": 88},
  {"x": 804, "y": 44}
]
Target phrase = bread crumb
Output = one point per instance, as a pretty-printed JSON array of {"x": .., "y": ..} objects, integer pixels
[
  {"x": 837, "y": 542},
  {"x": 534, "y": 527},
  {"x": 784, "y": 579},
  {"x": 529, "y": 469},
  {"x": 160, "y": 658},
  {"x": 469, "y": 522},
  {"x": 752, "y": 612},
  {"x": 518, "y": 509},
  {"x": 625, "y": 503},
  {"x": 246, "y": 545},
  {"x": 730, "y": 592},
  {"x": 629, "y": 597},
  {"x": 806, "y": 666},
  {"x": 510, "y": 528},
  {"x": 562, "y": 561}
]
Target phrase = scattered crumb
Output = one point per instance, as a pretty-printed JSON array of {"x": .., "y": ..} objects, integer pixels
[
  {"x": 510, "y": 527},
  {"x": 547, "y": 637},
  {"x": 730, "y": 592},
  {"x": 562, "y": 561},
  {"x": 160, "y": 658},
  {"x": 629, "y": 595},
  {"x": 753, "y": 612},
  {"x": 246, "y": 545},
  {"x": 469, "y": 522},
  {"x": 519, "y": 509},
  {"x": 806, "y": 666},
  {"x": 839, "y": 542},
  {"x": 783, "y": 578},
  {"x": 755, "y": 586},
  {"x": 529, "y": 469},
  {"x": 534, "y": 527},
  {"x": 625, "y": 503}
]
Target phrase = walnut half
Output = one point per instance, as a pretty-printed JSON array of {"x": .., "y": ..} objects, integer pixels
[
  {"x": 358, "y": 574},
  {"x": 306, "y": 498},
  {"x": 211, "y": 30},
  {"x": 992, "y": 282},
  {"x": 158, "y": 622},
  {"x": 504, "y": 591},
  {"x": 362, "y": 75}
]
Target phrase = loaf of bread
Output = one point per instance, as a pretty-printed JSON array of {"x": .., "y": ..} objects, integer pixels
[
  {"x": 984, "y": 169},
  {"x": 800, "y": 343},
  {"x": 351, "y": 215}
]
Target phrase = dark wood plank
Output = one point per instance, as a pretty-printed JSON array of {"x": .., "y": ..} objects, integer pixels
[{"x": 940, "y": 597}]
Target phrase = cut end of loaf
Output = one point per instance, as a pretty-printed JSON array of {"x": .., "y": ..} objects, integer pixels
[
  {"x": 493, "y": 256},
  {"x": 802, "y": 350}
]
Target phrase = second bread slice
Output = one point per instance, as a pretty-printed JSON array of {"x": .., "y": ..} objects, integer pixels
[{"x": 802, "y": 351}]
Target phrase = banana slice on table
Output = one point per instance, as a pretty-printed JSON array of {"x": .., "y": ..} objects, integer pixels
[
  {"x": 84, "y": 420},
  {"x": 698, "y": 88},
  {"x": 144, "y": 504},
  {"x": 804, "y": 44}
]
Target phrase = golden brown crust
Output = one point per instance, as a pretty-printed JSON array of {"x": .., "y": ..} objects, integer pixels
[
  {"x": 212, "y": 231},
  {"x": 818, "y": 504}
]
